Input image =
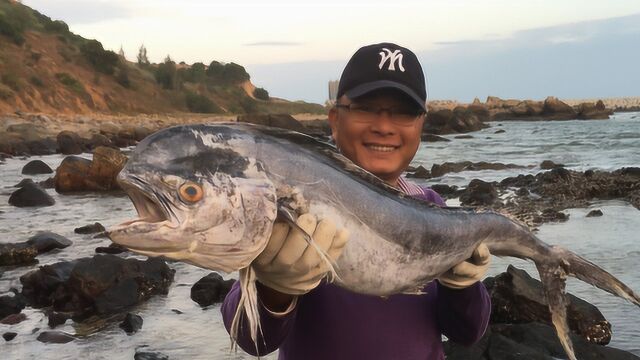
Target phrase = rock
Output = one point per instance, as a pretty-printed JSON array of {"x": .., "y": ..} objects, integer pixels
[
  {"x": 438, "y": 170},
  {"x": 13, "y": 319},
  {"x": 17, "y": 254},
  {"x": 79, "y": 174},
  {"x": 57, "y": 318},
  {"x": 113, "y": 248},
  {"x": 99, "y": 140},
  {"x": 518, "y": 298},
  {"x": 479, "y": 193},
  {"x": 100, "y": 285},
  {"x": 70, "y": 143},
  {"x": 45, "y": 241},
  {"x": 146, "y": 355},
  {"x": 29, "y": 195},
  {"x": 463, "y": 137},
  {"x": 109, "y": 129},
  {"x": 11, "y": 305},
  {"x": 46, "y": 146},
  {"x": 595, "y": 213},
  {"x": 555, "y": 109},
  {"x": 499, "y": 131},
  {"x": 210, "y": 289},
  {"x": 55, "y": 337},
  {"x": 283, "y": 121},
  {"x": 591, "y": 111},
  {"x": 141, "y": 132},
  {"x": 35, "y": 167},
  {"x": 9, "y": 335},
  {"x": 176, "y": 311},
  {"x": 71, "y": 173},
  {"x": 548, "y": 165},
  {"x": 445, "y": 191},
  {"x": 89, "y": 229},
  {"x": 131, "y": 323},
  {"x": 420, "y": 173},
  {"x": 433, "y": 138},
  {"x": 47, "y": 184}
]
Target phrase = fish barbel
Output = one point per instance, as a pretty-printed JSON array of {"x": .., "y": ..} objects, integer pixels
[{"x": 209, "y": 195}]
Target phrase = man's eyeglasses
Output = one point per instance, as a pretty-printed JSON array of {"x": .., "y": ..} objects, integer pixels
[{"x": 399, "y": 115}]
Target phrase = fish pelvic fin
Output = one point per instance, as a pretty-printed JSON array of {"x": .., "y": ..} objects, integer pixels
[{"x": 553, "y": 280}]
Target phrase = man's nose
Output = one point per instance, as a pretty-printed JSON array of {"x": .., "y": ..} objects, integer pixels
[{"x": 383, "y": 122}]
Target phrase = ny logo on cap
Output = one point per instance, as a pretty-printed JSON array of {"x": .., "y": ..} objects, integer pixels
[{"x": 392, "y": 57}]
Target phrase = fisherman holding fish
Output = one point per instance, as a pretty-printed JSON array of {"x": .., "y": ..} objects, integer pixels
[{"x": 376, "y": 123}]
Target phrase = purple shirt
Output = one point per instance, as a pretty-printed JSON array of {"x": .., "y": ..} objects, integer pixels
[{"x": 330, "y": 322}]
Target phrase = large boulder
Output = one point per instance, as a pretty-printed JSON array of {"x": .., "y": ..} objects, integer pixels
[
  {"x": 30, "y": 194},
  {"x": 70, "y": 143},
  {"x": 554, "y": 109},
  {"x": 99, "y": 174},
  {"x": 518, "y": 298},
  {"x": 71, "y": 173},
  {"x": 591, "y": 111},
  {"x": 45, "y": 241},
  {"x": 445, "y": 121},
  {"x": 100, "y": 285},
  {"x": 479, "y": 193},
  {"x": 11, "y": 305},
  {"x": 35, "y": 167},
  {"x": 210, "y": 289},
  {"x": 17, "y": 254}
]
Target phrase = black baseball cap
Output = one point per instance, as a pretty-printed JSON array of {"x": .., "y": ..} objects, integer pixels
[{"x": 384, "y": 65}]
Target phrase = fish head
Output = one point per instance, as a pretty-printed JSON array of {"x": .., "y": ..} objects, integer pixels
[{"x": 201, "y": 197}]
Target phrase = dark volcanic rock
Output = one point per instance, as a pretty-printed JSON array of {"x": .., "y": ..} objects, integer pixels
[
  {"x": 210, "y": 289},
  {"x": 438, "y": 170},
  {"x": 45, "y": 241},
  {"x": 17, "y": 254},
  {"x": 548, "y": 165},
  {"x": 35, "y": 167},
  {"x": 113, "y": 248},
  {"x": 500, "y": 131},
  {"x": 11, "y": 305},
  {"x": 518, "y": 298},
  {"x": 30, "y": 194},
  {"x": 420, "y": 172},
  {"x": 479, "y": 193},
  {"x": 70, "y": 143},
  {"x": 8, "y": 336},
  {"x": 103, "y": 284},
  {"x": 595, "y": 213},
  {"x": 446, "y": 191},
  {"x": 56, "y": 318},
  {"x": 131, "y": 323},
  {"x": 13, "y": 319},
  {"x": 463, "y": 137},
  {"x": 148, "y": 355},
  {"x": 89, "y": 229},
  {"x": 55, "y": 337}
]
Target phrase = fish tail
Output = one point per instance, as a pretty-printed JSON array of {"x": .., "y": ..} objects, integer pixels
[{"x": 554, "y": 267}]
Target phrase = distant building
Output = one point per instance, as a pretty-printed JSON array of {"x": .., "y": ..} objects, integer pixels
[{"x": 333, "y": 91}]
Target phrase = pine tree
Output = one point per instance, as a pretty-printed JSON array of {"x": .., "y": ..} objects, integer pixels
[
  {"x": 142, "y": 56},
  {"x": 121, "y": 52}
]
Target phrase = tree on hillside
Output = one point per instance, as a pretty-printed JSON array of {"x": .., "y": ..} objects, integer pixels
[
  {"x": 166, "y": 74},
  {"x": 142, "y": 56},
  {"x": 121, "y": 52}
]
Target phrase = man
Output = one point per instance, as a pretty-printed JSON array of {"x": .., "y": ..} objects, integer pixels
[{"x": 376, "y": 123}]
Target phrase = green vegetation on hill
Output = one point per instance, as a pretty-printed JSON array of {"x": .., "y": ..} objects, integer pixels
[{"x": 78, "y": 64}]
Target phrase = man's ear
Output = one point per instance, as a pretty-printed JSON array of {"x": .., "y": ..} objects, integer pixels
[{"x": 333, "y": 123}]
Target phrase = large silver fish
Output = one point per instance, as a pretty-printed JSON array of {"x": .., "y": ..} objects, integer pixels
[{"x": 209, "y": 194}]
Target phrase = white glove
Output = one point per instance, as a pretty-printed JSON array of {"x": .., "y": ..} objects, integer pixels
[
  {"x": 469, "y": 271},
  {"x": 289, "y": 264}
]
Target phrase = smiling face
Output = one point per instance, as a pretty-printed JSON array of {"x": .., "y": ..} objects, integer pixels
[{"x": 381, "y": 146}]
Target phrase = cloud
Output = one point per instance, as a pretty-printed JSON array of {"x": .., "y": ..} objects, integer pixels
[
  {"x": 78, "y": 12},
  {"x": 274, "y": 43}
]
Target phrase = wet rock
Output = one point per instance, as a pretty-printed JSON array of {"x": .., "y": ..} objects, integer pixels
[
  {"x": 548, "y": 165},
  {"x": 17, "y": 254},
  {"x": 595, "y": 213},
  {"x": 550, "y": 215},
  {"x": 176, "y": 311},
  {"x": 446, "y": 191},
  {"x": 11, "y": 305},
  {"x": 13, "y": 319},
  {"x": 89, "y": 229},
  {"x": 29, "y": 195},
  {"x": 97, "y": 140},
  {"x": 420, "y": 172},
  {"x": 99, "y": 174},
  {"x": 479, "y": 193},
  {"x": 463, "y": 137},
  {"x": 210, "y": 289},
  {"x": 70, "y": 143},
  {"x": 518, "y": 298},
  {"x": 554, "y": 109},
  {"x": 113, "y": 248},
  {"x": 499, "y": 131},
  {"x": 433, "y": 138},
  {"x": 283, "y": 121},
  {"x": 57, "y": 318},
  {"x": 438, "y": 170},
  {"x": 45, "y": 241},
  {"x": 102, "y": 284},
  {"x": 35, "y": 167},
  {"x": 147, "y": 355},
  {"x": 131, "y": 323},
  {"x": 55, "y": 337},
  {"x": 458, "y": 120},
  {"x": 9, "y": 335},
  {"x": 46, "y": 146},
  {"x": 591, "y": 111}
]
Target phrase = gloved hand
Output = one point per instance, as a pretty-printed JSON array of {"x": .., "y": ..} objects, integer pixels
[
  {"x": 289, "y": 264},
  {"x": 469, "y": 271}
]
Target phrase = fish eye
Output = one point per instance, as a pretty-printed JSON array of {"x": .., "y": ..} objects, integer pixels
[{"x": 190, "y": 192}]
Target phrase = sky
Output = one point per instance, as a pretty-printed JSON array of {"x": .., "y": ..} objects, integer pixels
[{"x": 469, "y": 48}]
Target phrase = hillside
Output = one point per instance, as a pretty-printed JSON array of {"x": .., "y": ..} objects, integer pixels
[{"x": 46, "y": 68}]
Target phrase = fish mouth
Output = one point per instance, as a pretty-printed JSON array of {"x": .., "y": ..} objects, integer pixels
[{"x": 148, "y": 206}]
